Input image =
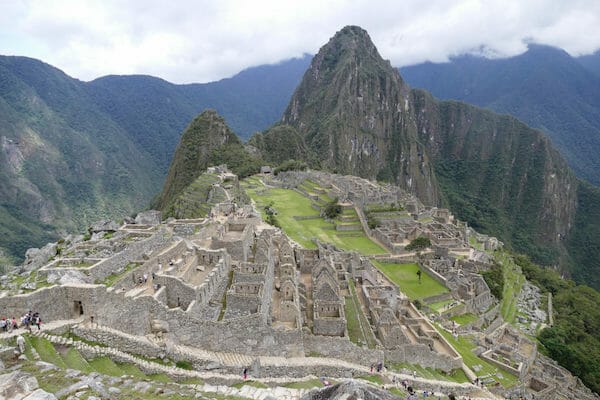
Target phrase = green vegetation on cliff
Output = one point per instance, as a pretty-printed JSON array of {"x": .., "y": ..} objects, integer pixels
[
  {"x": 574, "y": 339},
  {"x": 207, "y": 141}
]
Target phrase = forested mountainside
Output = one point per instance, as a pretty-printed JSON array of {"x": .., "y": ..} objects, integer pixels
[
  {"x": 206, "y": 142},
  {"x": 74, "y": 152},
  {"x": 354, "y": 114},
  {"x": 544, "y": 87},
  {"x": 63, "y": 163}
]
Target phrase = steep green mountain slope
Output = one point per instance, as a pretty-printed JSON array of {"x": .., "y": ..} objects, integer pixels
[
  {"x": 500, "y": 176},
  {"x": 544, "y": 87},
  {"x": 63, "y": 163},
  {"x": 207, "y": 141},
  {"x": 75, "y": 152},
  {"x": 355, "y": 115}
]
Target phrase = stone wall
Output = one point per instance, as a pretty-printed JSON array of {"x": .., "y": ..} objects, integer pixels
[
  {"x": 341, "y": 348},
  {"x": 178, "y": 293},
  {"x": 423, "y": 356},
  {"x": 329, "y": 326},
  {"x": 127, "y": 343}
]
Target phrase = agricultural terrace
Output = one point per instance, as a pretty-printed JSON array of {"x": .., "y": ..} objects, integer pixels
[{"x": 299, "y": 219}]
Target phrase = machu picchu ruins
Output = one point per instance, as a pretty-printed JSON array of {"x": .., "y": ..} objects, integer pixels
[{"x": 228, "y": 291}]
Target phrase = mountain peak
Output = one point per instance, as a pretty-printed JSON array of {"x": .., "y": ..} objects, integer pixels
[
  {"x": 349, "y": 105},
  {"x": 349, "y": 43}
]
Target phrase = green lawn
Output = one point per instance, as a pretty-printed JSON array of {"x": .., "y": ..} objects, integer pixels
[
  {"x": 405, "y": 276},
  {"x": 106, "y": 366},
  {"x": 74, "y": 360},
  {"x": 46, "y": 351},
  {"x": 310, "y": 384},
  {"x": 440, "y": 305},
  {"x": 290, "y": 203},
  {"x": 464, "y": 319}
]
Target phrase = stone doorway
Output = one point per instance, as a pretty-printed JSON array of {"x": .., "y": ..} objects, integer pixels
[{"x": 77, "y": 308}]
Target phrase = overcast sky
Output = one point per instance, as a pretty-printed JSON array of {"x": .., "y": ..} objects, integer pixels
[{"x": 199, "y": 41}]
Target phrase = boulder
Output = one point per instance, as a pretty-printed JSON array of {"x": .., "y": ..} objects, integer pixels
[
  {"x": 40, "y": 394},
  {"x": 17, "y": 384},
  {"x": 104, "y": 226},
  {"x": 37, "y": 258},
  {"x": 68, "y": 277},
  {"x": 150, "y": 217}
]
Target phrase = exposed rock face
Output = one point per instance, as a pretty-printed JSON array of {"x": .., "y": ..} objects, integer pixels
[
  {"x": 17, "y": 385},
  {"x": 356, "y": 114},
  {"x": 150, "y": 217},
  {"x": 36, "y": 258}
]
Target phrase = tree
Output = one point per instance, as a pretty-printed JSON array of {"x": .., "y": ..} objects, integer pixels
[
  {"x": 418, "y": 244},
  {"x": 270, "y": 211},
  {"x": 332, "y": 209}
]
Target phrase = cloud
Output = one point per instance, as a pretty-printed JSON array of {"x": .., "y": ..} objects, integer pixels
[{"x": 199, "y": 41}]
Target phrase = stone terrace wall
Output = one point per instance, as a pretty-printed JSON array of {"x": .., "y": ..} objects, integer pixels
[
  {"x": 422, "y": 355},
  {"x": 126, "y": 343},
  {"x": 132, "y": 252},
  {"x": 342, "y": 348}
]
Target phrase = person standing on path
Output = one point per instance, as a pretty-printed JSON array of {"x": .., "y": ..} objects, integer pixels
[
  {"x": 245, "y": 373},
  {"x": 21, "y": 344}
]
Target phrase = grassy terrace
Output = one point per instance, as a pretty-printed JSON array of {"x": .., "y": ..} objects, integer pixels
[
  {"x": 405, "y": 276},
  {"x": 359, "y": 329},
  {"x": 465, "y": 347},
  {"x": 290, "y": 204},
  {"x": 513, "y": 282}
]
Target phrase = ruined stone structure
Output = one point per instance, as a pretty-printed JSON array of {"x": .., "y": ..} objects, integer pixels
[{"x": 230, "y": 283}]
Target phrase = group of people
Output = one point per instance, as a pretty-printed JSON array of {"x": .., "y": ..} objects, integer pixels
[
  {"x": 27, "y": 320},
  {"x": 7, "y": 325}
]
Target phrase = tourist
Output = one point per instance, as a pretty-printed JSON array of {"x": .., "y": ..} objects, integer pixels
[
  {"x": 245, "y": 373},
  {"x": 37, "y": 320},
  {"x": 4, "y": 324},
  {"x": 21, "y": 344},
  {"x": 14, "y": 324}
]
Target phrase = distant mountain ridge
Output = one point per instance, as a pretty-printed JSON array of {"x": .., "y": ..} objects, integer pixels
[
  {"x": 74, "y": 152},
  {"x": 544, "y": 87}
]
